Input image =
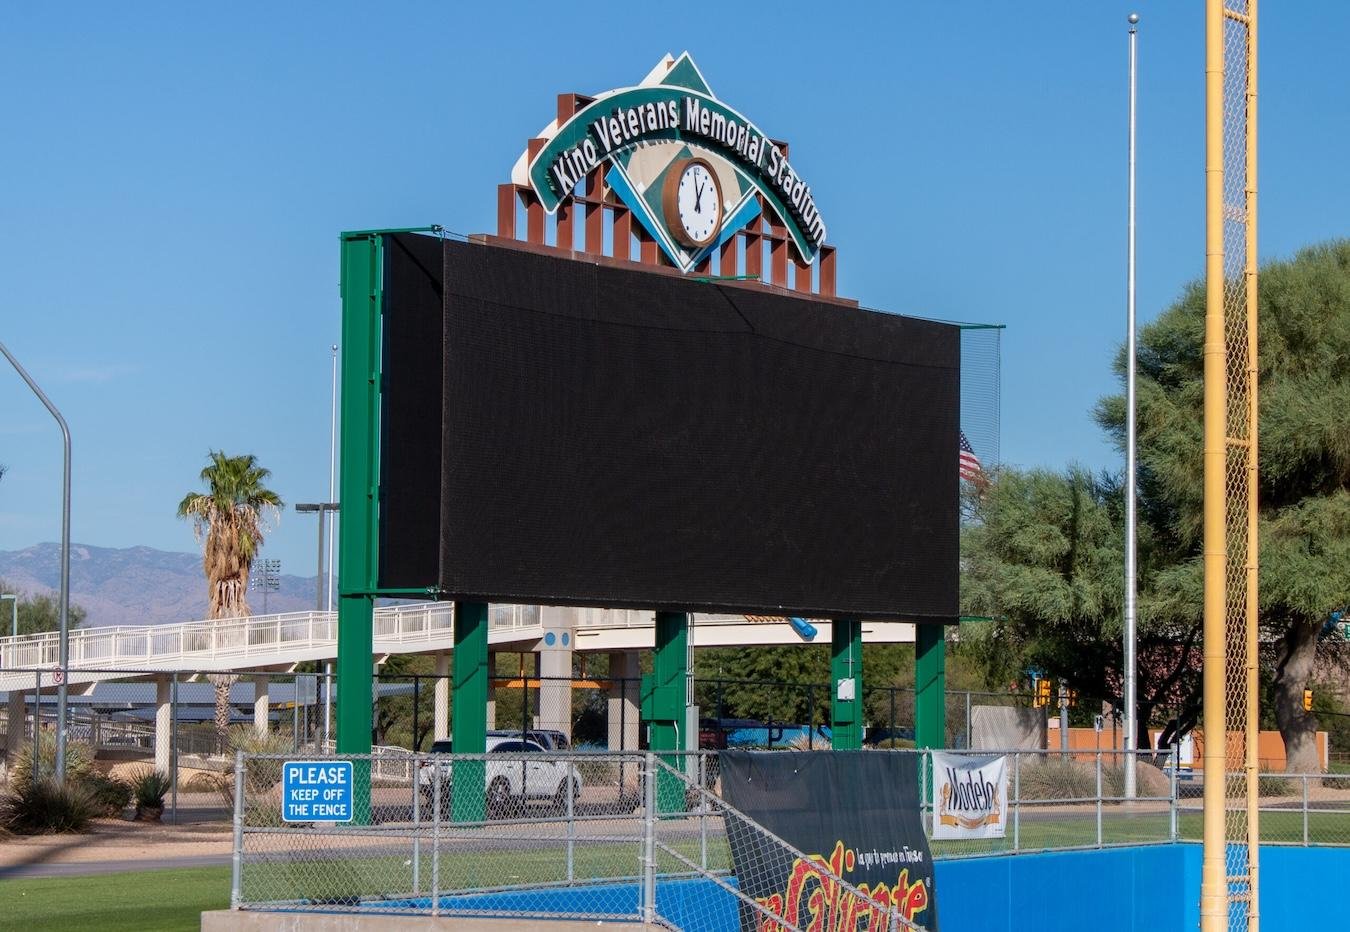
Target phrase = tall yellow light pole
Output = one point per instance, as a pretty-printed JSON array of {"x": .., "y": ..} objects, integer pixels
[{"x": 1213, "y": 880}]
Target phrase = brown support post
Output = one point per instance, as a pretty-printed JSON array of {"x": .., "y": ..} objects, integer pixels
[
  {"x": 754, "y": 248},
  {"x": 648, "y": 252},
  {"x": 595, "y": 214},
  {"x": 828, "y": 271},
  {"x": 534, "y": 211},
  {"x": 623, "y": 233},
  {"x": 727, "y": 259},
  {"x": 564, "y": 224},
  {"x": 506, "y": 211},
  {"x": 802, "y": 280},
  {"x": 778, "y": 257}
]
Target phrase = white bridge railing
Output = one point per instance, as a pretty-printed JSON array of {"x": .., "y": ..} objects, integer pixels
[
  {"x": 223, "y": 642},
  {"x": 259, "y": 640}
]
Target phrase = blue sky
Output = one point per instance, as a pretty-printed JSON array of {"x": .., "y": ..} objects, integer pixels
[{"x": 175, "y": 176}]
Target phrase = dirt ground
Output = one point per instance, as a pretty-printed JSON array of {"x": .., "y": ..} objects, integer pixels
[{"x": 120, "y": 840}]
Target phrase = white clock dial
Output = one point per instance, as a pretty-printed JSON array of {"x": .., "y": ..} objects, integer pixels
[{"x": 698, "y": 203}]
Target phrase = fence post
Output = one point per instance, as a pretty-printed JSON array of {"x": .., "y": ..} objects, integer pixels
[
  {"x": 968, "y": 731},
  {"x": 571, "y": 820},
  {"x": 702, "y": 810},
  {"x": 173, "y": 747},
  {"x": 237, "y": 859},
  {"x": 647, "y": 906},
  {"x": 1017, "y": 802},
  {"x": 417, "y": 826},
  {"x": 1176, "y": 765},
  {"x": 1305, "y": 810},
  {"x": 436, "y": 839},
  {"x": 1099, "y": 798}
]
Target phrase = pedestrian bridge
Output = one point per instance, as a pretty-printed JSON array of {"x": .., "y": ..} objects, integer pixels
[{"x": 279, "y": 641}]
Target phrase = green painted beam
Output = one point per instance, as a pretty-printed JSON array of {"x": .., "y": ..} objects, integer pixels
[
  {"x": 357, "y": 492},
  {"x": 468, "y": 709},
  {"x": 846, "y": 684},
  {"x": 930, "y": 686},
  {"x": 663, "y": 704}
]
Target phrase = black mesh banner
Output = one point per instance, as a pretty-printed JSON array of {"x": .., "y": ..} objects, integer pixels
[
  {"x": 854, "y": 815},
  {"x": 627, "y": 438}
]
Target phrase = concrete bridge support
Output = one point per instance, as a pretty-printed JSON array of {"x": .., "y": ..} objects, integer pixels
[
  {"x": 625, "y": 688},
  {"x": 440, "y": 727},
  {"x": 261, "y": 705},
  {"x": 555, "y": 670},
  {"x": 163, "y": 724}
]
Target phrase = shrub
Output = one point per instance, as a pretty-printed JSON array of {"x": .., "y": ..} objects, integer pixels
[
  {"x": 44, "y": 807},
  {"x": 79, "y": 762},
  {"x": 204, "y": 782},
  {"x": 1057, "y": 778},
  {"x": 109, "y": 794},
  {"x": 1274, "y": 786},
  {"x": 150, "y": 786},
  {"x": 260, "y": 775}
]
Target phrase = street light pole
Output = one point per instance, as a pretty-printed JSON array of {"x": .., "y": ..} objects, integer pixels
[
  {"x": 322, "y": 508},
  {"x": 1130, "y": 697},
  {"x": 65, "y": 568}
]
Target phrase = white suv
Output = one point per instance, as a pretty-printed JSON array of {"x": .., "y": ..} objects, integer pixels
[{"x": 509, "y": 783}]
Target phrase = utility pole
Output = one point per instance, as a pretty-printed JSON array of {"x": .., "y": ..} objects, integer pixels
[
  {"x": 61, "y": 691},
  {"x": 1131, "y": 679}
]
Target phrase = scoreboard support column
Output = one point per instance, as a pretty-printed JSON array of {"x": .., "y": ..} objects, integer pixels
[
  {"x": 930, "y": 686},
  {"x": 664, "y": 700},
  {"x": 358, "y": 502},
  {"x": 846, "y": 680},
  {"x": 468, "y": 709}
]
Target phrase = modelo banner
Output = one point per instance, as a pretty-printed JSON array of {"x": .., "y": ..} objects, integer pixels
[
  {"x": 970, "y": 796},
  {"x": 855, "y": 817}
]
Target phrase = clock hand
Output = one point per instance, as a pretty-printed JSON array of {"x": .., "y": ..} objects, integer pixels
[{"x": 698, "y": 197}]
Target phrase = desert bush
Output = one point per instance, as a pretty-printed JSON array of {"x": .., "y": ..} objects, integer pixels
[
  {"x": 109, "y": 794},
  {"x": 44, "y": 807},
  {"x": 79, "y": 762},
  {"x": 1274, "y": 786},
  {"x": 260, "y": 775},
  {"x": 150, "y": 786},
  {"x": 1057, "y": 778},
  {"x": 204, "y": 782},
  {"x": 889, "y": 744}
]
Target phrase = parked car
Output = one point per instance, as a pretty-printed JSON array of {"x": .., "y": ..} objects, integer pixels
[
  {"x": 511, "y": 782},
  {"x": 547, "y": 738}
]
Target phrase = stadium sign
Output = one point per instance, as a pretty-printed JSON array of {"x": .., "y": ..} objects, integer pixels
[
  {"x": 688, "y": 166},
  {"x": 970, "y": 796}
]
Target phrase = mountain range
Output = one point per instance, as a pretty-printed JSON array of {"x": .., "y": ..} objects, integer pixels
[{"x": 134, "y": 585}]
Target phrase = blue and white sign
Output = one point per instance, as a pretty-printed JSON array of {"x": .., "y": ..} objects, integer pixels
[{"x": 316, "y": 791}]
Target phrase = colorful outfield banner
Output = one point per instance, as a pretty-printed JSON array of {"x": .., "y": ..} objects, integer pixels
[
  {"x": 854, "y": 814},
  {"x": 970, "y": 796}
]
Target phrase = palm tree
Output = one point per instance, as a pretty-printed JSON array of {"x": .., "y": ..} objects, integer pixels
[{"x": 228, "y": 520}]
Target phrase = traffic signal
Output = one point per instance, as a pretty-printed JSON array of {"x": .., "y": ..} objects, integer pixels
[
  {"x": 1071, "y": 697},
  {"x": 1307, "y": 700},
  {"x": 1042, "y": 698}
]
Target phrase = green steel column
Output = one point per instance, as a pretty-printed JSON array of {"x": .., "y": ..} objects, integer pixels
[
  {"x": 663, "y": 704},
  {"x": 468, "y": 709},
  {"x": 930, "y": 686},
  {"x": 359, "y": 480},
  {"x": 846, "y": 682}
]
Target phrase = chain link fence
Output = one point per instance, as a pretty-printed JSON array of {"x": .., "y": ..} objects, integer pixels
[{"x": 581, "y": 835}]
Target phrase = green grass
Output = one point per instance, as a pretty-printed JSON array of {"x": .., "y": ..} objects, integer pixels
[{"x": 143, "y": 901}]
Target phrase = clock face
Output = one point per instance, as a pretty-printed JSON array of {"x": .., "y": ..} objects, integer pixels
[{"x": 693, "y": 203}]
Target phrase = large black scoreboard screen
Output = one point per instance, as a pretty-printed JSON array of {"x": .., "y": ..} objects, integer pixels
[{"x": 563, "y": 432}]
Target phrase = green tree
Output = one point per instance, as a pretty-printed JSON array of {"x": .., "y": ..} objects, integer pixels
[
  {"x": 1043, "y": 554},
  {"x": 228, "y": 520},
  {"x": 1304, "y": 493},
  {"x": 38, "y": 613}
]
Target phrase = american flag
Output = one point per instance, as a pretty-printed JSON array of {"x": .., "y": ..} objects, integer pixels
[{"x": 969, "y": 463}]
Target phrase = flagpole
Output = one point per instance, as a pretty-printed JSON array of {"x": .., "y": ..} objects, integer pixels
[{"x": 1130, "y": 697}]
